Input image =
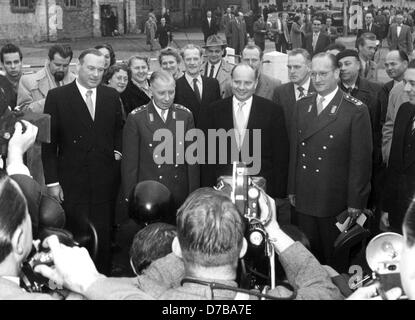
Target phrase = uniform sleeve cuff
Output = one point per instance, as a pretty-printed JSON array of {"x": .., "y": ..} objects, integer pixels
[{"x": 52, "y": 184}]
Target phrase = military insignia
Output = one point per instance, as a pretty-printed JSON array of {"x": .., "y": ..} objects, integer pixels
[
  {"x": 333, "y": 109},
  {"x": 180, "y": 107},
  {"x": 139, "y": 109},
  {"x": 151, "y": 117},
  {"x": 353, "y": 100},
  {"x": 310, "y": 107}
]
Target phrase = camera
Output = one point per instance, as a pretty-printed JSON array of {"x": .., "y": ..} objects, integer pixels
[
  {"x": 9, "y": 117},
  {"x": 244, "y": 191}
]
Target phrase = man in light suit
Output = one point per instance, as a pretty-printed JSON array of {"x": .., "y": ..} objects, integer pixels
[
  {"x": 245, "y": 110},
  {"x": 366, "y": 46},
  {"x": 32, "y": 92},
  {"x": 266, "y": 86},
  {"x": 193, "y": 90},
  {"x": 400, "y": 36},
  {"x": 216, "y": 67},
  {"x": 81, "y": 162},
  {"x": 317, "y": 41}
]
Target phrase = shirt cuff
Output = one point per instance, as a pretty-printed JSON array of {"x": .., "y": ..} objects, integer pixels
[
  {"x": 18, "y": 168},
  {"x": 52, "y": 184}
]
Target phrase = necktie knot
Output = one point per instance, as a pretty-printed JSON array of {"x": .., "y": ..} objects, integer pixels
[
  {"x": 241, "y": 105},
  {"x": 89, "y": 93},
  {"x": 164, "y": 114}
]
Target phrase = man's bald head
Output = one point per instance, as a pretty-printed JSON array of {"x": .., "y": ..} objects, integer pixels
[
  {"x": 244, "y": 81},
  {"x": 396, "y": 63}
]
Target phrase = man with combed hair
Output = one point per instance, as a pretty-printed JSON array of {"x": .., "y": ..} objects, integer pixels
[
  {"x": 366, "y": 46},
  {"x": 210, "y": 240},
  {"x": 193, "y": 90},
  {"x": 11, "y": 59},
  {"x": 330, "y": 157},
  {"x": 81, "y": 162},
  {"x": 140, "y": 148},
  {"x": 33, "y": 89}
]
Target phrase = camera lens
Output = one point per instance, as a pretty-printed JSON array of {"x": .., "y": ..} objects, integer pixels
[
  {"x": 256, "y": 238},
  {"x": 392, "y": 267}
]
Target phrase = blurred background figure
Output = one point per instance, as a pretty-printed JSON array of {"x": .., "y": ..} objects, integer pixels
[
  {"x": 150, "y": 29},
  {"x": 259, "y": 31}
]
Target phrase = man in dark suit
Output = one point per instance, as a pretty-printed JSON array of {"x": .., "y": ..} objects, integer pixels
[
  {"x": 193, "y": 90},
  {"x": 400, "y": 181},
  {"x": 316, "y": 41},
  {"x": 238, "y": 33},
  {"x": 163, "y": 33},
  {"x": 369, "y": 26},
  {"x": 209, "y": 26},
  {"x": 80, "y": 163},
  {"x": 300, "y": 85},
  {"x": 331, "y": 30},
  {"x": 400, "y": 36},
  {"x": 227, "y": 19},
  {"x": 246, "y": 111},
  {"x": 141, "y": 156},
  {"x": 330, "y": 157}
]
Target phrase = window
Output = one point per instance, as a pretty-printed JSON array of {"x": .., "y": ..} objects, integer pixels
[
  {"x": 146, "y": 3},
  {"x": 19, "y": 6},
  {"x": 71, "y": 3}
]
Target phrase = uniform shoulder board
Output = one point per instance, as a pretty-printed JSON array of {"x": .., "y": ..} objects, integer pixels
[
  {"x": 139, "y": 109},
  {"x": 180, "y": 107},
  {"x": 353, "y": 100}
]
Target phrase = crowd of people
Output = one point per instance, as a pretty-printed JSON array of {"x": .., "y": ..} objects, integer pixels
[{"x": 332, "y": 142}]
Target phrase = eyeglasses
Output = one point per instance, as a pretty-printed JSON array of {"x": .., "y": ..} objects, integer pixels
[{"x": 321, "y": 75}]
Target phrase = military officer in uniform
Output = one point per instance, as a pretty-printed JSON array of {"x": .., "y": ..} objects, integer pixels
[
  {"x": 143, "y": 152},
  {"x": 330, "y": 157}
]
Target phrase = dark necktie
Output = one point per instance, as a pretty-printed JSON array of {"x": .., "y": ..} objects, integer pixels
[
  {"x": 196, "y": 90},
  {"x": 212, "y": 70},
  {"x": 301, "y": 89}
]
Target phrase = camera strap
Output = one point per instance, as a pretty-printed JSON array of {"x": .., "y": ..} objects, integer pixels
[{"x": 219, "y": 286}]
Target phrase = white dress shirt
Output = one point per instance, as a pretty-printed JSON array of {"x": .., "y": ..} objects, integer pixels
[
  {"x": 398, "y": 30},
  {"x": 199, "y": 83},
  {"x": 209, "y": 21},
  {"x": 305, "y": 86},
  {"x": 83, "y": 92},
  {"x": 159, "y": 111},
  {"x": 328, "y": 98},
  {"x": 246, "y": 110},
  {"x": 215, "y": 70}
]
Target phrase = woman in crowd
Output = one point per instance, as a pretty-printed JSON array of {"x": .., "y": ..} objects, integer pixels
[
  {"x": 117, "y": 78},
  {"x": 108, "y": 52},
  {"x": 138, "y": 91},
  {"x": 150, "y": 29}
]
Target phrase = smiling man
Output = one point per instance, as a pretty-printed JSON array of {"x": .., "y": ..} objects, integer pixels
[
  {"x": 140, "y": 161},
  {"x": 80, "y": 163},
  {"x": 193, "y": 90},
  {"x": 330, "y": 157}
]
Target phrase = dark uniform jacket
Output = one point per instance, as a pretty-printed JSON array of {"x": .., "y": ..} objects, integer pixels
[
  {"x": 7, "y": 93},
  {"x": 186, "y": 96},
  {"x": 400, "y": 180},
  {"x": 140, "y": 154},
  {"x": 269, "y": 118},
  {"x": 81, "y": 153},
  {"x": 330, "y": 156},
  {"x": 133, "y": 97}
]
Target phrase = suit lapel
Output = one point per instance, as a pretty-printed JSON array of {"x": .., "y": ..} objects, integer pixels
[
  {"x": 327, "y": 116},
  {"x": 80, "y": 106}
]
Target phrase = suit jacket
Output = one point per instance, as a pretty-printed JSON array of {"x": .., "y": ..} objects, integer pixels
[
  {"x": 371, "y": 72},
  {"x": 330, "y": 156},
  {"x": 226, "y": 21},
  {"x": 223, "y": 75},
  {"x": 322, "y": 42},
  {"x": 208, "y": 31},
  {"x": 264, "y": 115},
  {"x": 332, "y": 33},
  {"x": 400, "y": 178},
  {"x": 375, "y": 29},
  {"x": 285, "y": 97},
  {"x": 163, "y": 34},
  {"x": 6, "y": 90},
  {"x": 133, "y": 97},
  {"x": 138, "y": 163},
  {"x": 187, "y": 98},
  {"x": 403, "y": 42},
  {"x": 238, "y": 35},
  {"x": 33, "y": 89},
  {"x": 81, "y": 153}
]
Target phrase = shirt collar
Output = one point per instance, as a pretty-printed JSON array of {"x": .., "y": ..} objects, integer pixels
[
  {"x": 329, "y": 97},
  {"x": 305, "y": 85},
  {"x": 236, "y": 102},
  {"x": 190, "y": 79},
  {"x": 84, "y": 90}
]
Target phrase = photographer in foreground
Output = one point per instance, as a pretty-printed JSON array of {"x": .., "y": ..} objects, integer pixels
[{"x": 210, "y": 241}]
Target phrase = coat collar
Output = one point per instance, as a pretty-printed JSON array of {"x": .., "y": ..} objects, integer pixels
[{"x": 327, "y": 116}]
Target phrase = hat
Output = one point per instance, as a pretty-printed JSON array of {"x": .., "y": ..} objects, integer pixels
[
  {"x": 214, "y": 40},
  {"x": 347, "y": 53}
]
